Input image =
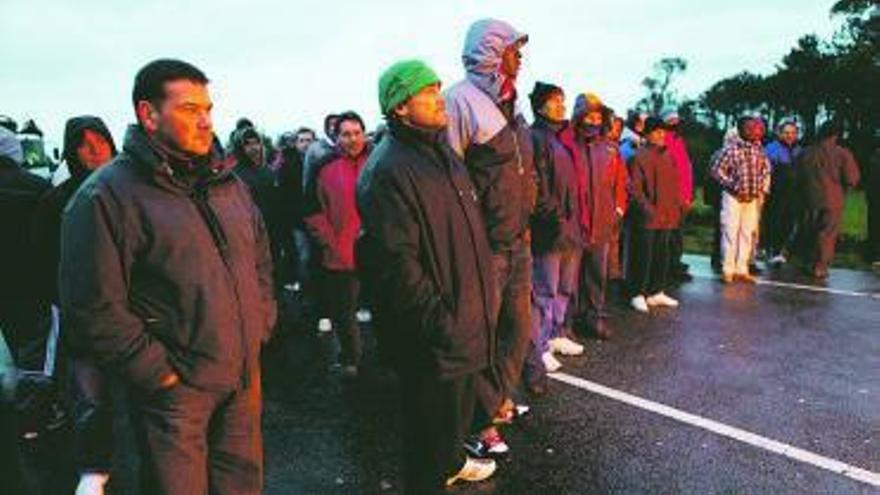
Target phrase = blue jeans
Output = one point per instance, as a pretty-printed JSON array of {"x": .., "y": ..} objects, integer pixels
[{"x": 554, "y": 284}]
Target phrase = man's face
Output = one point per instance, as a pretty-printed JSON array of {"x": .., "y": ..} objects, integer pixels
[
  {"x": 592, "y": 117},
  {"x": 753, "y": 131},
  {"x": 94, "y": 150},
  {"x": 789, "y": 134},
  {"x": 425, "y": 109},
  {"x": 554, "y": 107},
  {"x": 303, "y": 141},
  {"x": 639, "y": 125},
  {"x": 616, "y": 130},
  {"x": 511, "y": 61},
  {"x": 329, "y": 130},
  {"x": 657, "y": 137},
  {"x": 351, "y": 138},
  {"x": 253, "y": 149},
  {"x": 183, "y": 119}
]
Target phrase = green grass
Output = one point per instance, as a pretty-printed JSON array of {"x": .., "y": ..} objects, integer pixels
[{"x": 698, "y": 230}]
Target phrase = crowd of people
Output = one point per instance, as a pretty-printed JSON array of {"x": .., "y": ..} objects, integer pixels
[{"x": 485, "y": 247}]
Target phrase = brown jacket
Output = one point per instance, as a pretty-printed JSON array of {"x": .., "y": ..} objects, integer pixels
[
  {"x": 823, "y": 170},
  {"x": 159, "y": 273},
  {"x": 655, "y": 189}
]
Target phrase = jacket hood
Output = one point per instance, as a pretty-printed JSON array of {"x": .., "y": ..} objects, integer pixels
[
  {"x": 74, "y": 130},
  {"x": 484, "y": 44},
  {"x": 10, "y": 147}
]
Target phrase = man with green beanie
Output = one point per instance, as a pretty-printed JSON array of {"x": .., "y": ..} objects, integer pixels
[{"x": 427, "y": 268}]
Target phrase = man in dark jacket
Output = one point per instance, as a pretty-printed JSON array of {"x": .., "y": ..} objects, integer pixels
[
  {"x": 872, "y": 193},
  {"x": 166, "y": 282},
  {"x": 22, "y": 310},
  {"x": 824, "y": 170},
  {"x": 557, "y": 240},
  {"x": 488, "y": 132},
  {"x": 779, "y": 218},
  {"x": 88, "y": 145},
  {"x": 659, "y": 208},
  {"x": 428, "y": 266},
  {"x": 20, "y": 306},
  {"x": 605, "y": 202}
]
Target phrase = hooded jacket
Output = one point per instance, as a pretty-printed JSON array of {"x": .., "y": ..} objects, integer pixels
[
  {"x": 20, "y": 192},
  {"x": 425, "y": 256},
  {"x": 677, "y": 149},
  {"x": 556, "y": 222},
  {"x": 163, "y": 270},
  {"x": 492, "y": 137},
  {"x": 605, "y": 183},
  {"x": 46, "y": 228}
]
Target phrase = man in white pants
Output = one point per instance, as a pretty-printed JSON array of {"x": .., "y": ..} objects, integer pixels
[{"x": 743, "y": 171}]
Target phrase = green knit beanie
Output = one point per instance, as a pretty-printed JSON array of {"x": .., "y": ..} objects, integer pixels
[{"x": 401, "y": 81}]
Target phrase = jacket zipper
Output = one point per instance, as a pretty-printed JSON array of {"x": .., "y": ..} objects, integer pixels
[{"x": 221, "y": 242}]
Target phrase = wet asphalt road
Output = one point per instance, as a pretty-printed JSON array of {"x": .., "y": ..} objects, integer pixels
[{"x": 794, "y": 365}]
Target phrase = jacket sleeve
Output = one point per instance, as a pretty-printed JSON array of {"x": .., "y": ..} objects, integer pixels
[
  {"x": 687, "y": 179},
  {"x": 94, "y": 290},
  {"x": 317, "y": 222},
  {"x": 721, "y": 170},
  {"x": 621, "y": 184},
  {"x": 458, "y": 131},
  {"x": 850, "y": 169},
  {"x": 265, "y": 272},
  {"x": 638, "y": 184},
  {"x": 396, "y": 259}
]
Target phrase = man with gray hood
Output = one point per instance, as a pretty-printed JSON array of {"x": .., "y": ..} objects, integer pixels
[{"x": 490, "y": 134}]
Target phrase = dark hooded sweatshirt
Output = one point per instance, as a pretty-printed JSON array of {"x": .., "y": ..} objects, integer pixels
[
  {"x": 46, "y": 228},
  {"x": 165, "y": 266}
]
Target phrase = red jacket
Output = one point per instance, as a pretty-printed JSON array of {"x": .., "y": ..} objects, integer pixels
[
  {"x": 334, "y": 221},
  {"x": 605, "y": 188}
]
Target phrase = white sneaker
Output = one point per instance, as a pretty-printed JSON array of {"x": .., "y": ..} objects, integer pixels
[
  {"x": 551, "y": 364},
  {"x": 92, "y": 484},
  {"x": 569, "y": 347},
  {"x": 779, "y": 259},
  {"x": 661, "y": 299},
  {"x": 639, "y": 304},
  {"x": 325, "y": 325},
  {"x": 474, "y": 470},
  {"x": 364, "y": 316}
]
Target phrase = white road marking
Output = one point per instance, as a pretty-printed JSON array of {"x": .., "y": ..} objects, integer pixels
[
  {"x": 790, "y": 451},
  {"x": 811, "y": 288}
]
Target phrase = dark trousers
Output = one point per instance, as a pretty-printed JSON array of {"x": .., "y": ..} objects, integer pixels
[
  {"x": 650, "y": 265},
  {"x": 615, "y": 251},
  {"x": 437, "y": 415},
  {"x": 873, "y": 228},
  {"x": 92, "y": 405},
  {"x": 554, "y": 286},
  {"x": 198, "y": 442},
  {"x": 777, "y": 222},
  {"x": 821, "y": 227},
  {"x": 594, "y": 284},
  {"x": 676, "y": 251},
  {"x": 340, "y": 292}
]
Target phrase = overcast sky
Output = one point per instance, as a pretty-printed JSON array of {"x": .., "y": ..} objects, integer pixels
[{"x": 287, "y": 63}]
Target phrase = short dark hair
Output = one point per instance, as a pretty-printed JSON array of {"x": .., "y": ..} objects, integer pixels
[
  {"x": 149, "y": 83},
  {"x": 305, "y": 130},
  {"x": 347, "y": 116},
  {"x": 829, "y": 128}
]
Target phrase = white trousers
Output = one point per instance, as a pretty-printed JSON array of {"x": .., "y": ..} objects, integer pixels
[{"x": 739, "y": 223}]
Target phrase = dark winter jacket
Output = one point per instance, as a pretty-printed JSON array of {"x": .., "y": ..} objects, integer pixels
[
  {"x": 20, "y": 192},
  {"x": 492, "y": 138},
  {"x": 164, "y": 270},
  {"x": 654, "y": 188},
  {"x": 559, "y": 171},
  {"x": 333, "y": 220},
  {"x": 425, "y": 256},
  {"x": 46, "y": 228},
  {"x": 823, "y": 171}
]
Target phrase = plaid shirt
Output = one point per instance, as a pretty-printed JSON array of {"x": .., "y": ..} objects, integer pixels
[{"x": 743, "y": 170}]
